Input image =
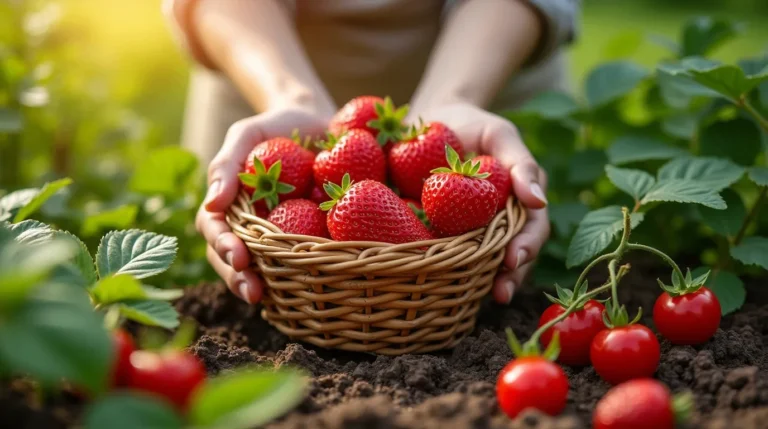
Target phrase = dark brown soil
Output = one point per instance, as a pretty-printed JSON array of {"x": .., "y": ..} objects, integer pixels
[{"x": 455, "y": 389}]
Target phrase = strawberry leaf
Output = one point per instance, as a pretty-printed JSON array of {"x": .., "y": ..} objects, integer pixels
[
  {"x": 595, "y": 233},
  {"x": 138, "y": 253}
]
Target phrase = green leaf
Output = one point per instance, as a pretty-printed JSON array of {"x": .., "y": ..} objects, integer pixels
[
  {"x": 150, "y": 313},
  {"x": 703, "y": 34},
  {"x": 82, "y": 259},
  {"x": 117, "y": 218},
  {"x": 56, "y": 336},
  {"x": 117, "y": 288},
  {"x": 31, "y": 232},
  {"x": 752, "y": 251},
  {"x": 165, "y": 171},
  {"x": 682, "y": 126},
  {"x": 727, "y": 80},
  {"x": 11, "y": 121},
  {"x": 595, "y": 233},
  {"x": 737, "y": 140},
  {"x": 11, "y": 203},
  {"x": 611, "y": 81},
  {"x": 759, "y": 175},
  {"x": 679, "y": 90},
  {"x": 629, "y": 148},
  {"x": 566, "y": 216},
  {"x": 728, "y": 288},
  {"x": 634, "y": 182},
  {"x": 551, "y": 105},
  {"x": 38, "y": 200},
  {"x": 139, "y": 253},
  {"x": 162, "y": 294},
  {"x": 684, "y": 191},
  {"x": 124, "y": 410},
  {"x": 585, "y": 167},
  {"x": 713, "y": 173},
  {"x": 247, "y": 398},
  {"x": 726, "y": 222}
]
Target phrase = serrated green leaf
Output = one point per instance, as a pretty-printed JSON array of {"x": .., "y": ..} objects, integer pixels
[
  {"x": 551, "y": 105},
  {"x": 684, "y": 191},
  {"x": 127, "y": 410},
  {"x": 759, "y": 175},
  {"x": 150, "y": 313},
  {"x": 11, "y": 203},
  {"x": 713, "y": 173},
  {"x": 737, "y": 139},
  {"x": 41, "y": 197},
  {"x": 139, "y": 253},
  {"x": 595, "y": 233},
  {"x": 165, "y": 171},
  {"x": 11, "y": 121},
  {"x": 728, "y": 81},
  {"x": 726, "y": 222},
  {"x": 118, "y": 218},
  {"x": 682, "y": 126},
  {"x": 703, "y": 34},
  {"x": 30, "y": 232},
  {"x": 118, "y": 288},
  {"x": 634, "y": 182},
  {"x": 629, "y": 148},
  {"x": 82, "y": 259},
  {"x": 679, "y": 90},
  {"x": 728, "y": 288},
  {"x": 752, "y": 251},
  {"x": 162, "y": 294},
  {"x": 247, "y": 398},
  {"x": 611, "y": 81}
]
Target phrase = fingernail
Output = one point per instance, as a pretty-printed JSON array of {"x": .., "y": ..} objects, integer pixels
[
  {"x": 229, "y": 257},
  {"x": 538, "y": 193},
  {"x": 244, "y": 292},
  {"x": 213, "y": 191},
  {"x": 510, "y": 286},
  {"x": 521, "y": 255}
]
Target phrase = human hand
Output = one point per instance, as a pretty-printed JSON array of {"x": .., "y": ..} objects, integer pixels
[
  {"x": 485, "y": 133},
  {"x": 228, "y": 255}
]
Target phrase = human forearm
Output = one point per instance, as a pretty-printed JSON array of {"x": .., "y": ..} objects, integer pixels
[
  {"x": 483, "y": 42},
  {"x": 256, "y": 45}
]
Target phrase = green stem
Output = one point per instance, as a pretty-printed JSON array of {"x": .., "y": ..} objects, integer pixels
[
  {"x": 591, "y": 265},
  {"x": 614, "y": 283},
  {"x": 749, "y": 108},
  {"x": 751, "y": 215},
  {"x": 659, "y": 253}
]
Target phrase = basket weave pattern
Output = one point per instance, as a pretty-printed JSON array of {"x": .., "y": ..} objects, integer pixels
[{"x": 375, "y": 297}]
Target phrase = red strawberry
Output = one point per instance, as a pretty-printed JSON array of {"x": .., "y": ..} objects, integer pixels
[
  {"x": 499, "y": 177},
  {"x": 356, "y": 152},
  {"x": 300, "y": 217},
  {"x": 278, "y": 166},
  {"x": 318, "y": 194},
  {"x": 369, "y": 211},
  {"x": 458, "y": 199},
  {"x": 376, "y": 115},
  {"x": 412, "y": 160}
]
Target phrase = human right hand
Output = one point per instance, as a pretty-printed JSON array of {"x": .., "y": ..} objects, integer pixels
[{"x": 227, "y": 253}]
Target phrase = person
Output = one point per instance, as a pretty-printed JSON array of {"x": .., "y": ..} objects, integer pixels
[{"x": 293, "y": 62}]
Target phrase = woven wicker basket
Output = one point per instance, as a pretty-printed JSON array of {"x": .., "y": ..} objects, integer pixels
[{"x": 375, "y": 297}]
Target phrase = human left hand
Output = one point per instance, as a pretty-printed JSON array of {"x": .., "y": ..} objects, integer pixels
[{"x": 485, "y": 133}]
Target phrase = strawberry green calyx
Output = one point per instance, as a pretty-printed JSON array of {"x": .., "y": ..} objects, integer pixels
[
  {"x": 330, "y": 141},
  {"x": 683, "y": 285},
  {"x": 415, "y": 130},
  {"x": 389, "y": 122},
  {"x": 335, "y": 191},
  {"x": 531, "y": 347},
  {"x": 306, "y": 142},
  {"x": 265, "y": 183},
  {"x": 617, "y": 317},
  {"x": 567, "y": 298},
  {"x": 467, "y": 168}
]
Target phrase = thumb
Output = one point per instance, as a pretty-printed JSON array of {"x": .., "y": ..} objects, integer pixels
[{"x": 529, "y": 182}]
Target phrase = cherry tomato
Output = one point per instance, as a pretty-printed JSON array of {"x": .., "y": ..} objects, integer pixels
[
  {"x": 689, "y": 319},
  {"x": 624, "y": 353},
  {"x": 173, "y": 375},
  {"x": 636, "y": 404},
  {"x": 121, "y": 366},
  {"x": 576, "y": 331},
  {"x": 532, "y": 382}
]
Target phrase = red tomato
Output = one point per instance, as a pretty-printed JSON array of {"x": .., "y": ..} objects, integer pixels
[
  {"x": 576, "y": 331},
  {"x": 173, "y": 375},
  {"x": 636, "y": 404},
  {"x": 687, "y": 319},
  {"x": 624, "y": 353},
  {"x": 532, "y": 382},
  {"x": 121, "y": 367}
]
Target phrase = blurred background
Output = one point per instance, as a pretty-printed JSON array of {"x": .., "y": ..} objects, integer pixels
[{"x": 94, "y": 90}]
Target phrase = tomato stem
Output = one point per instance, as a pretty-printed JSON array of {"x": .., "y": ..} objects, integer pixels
[
  {"x": 614, "y": 283},
  {"x": 659, "y": 253}
]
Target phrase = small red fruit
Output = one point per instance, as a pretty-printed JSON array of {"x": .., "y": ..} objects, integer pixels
[
  {"x": 373, "y": 114},
  {"x": 576, "y": 331},
  {"x": 412, "y": 160},
  {"x": 369, "y": 211},
  {"x": 688, "y": 319},
  {"x": 458, "y": 199},
  {"x": 278, "y": 166},
  {"x": 499, "y": 177},
  {"x": 121, "y": 369},
  {"x": 640, "y": 404},
  {"x": 356, "y": 152},
  {"x": 532, "y": 382},
  {"x": 300, "y": 217},
  {"x": 625, "y": 353},
  {"x": 173, "y": 375}
]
